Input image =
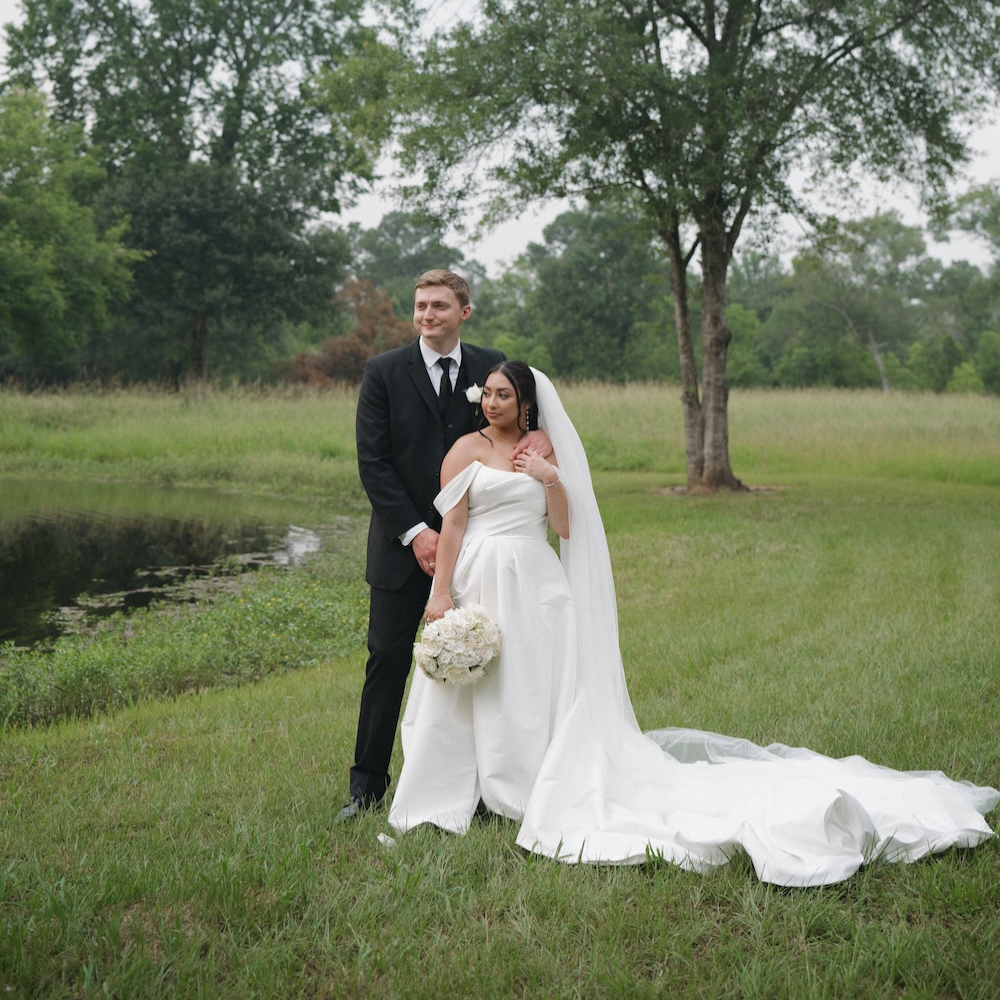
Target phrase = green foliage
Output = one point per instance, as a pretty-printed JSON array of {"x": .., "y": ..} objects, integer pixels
[
  {"x": 964, "y": 378},
  {"x": 987, "y": 360},
  {"x": 596, "y": 281},
  {"x": 230, "y": 257},
  {"x": 584, "y": 99},
  {"x": 59, "y": 270},
  {"x": 393, "y": 254},
  {"x": 933, "y": 361},
  {"x": 221, "y": 81},
  {"x": 746, "y": 368},
  {"x": 979, "y": 213},
  {"x": 226, "y": 128}
]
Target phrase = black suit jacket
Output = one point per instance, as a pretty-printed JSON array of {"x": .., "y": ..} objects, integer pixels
[{"x": 402, "y": 440}]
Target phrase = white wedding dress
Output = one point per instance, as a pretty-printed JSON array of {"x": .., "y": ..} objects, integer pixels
[{"x": 549, "y": 738}]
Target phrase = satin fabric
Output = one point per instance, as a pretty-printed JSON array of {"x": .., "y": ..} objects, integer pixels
[
  {"x": 487, "y": 740},
  {"x": 539, "y": 742}
]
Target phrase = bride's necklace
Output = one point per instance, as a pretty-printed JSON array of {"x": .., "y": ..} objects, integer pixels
[{"x": 506, "y": 440}]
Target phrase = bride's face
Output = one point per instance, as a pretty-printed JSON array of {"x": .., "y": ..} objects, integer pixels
[{"x": 499, "y": 403}]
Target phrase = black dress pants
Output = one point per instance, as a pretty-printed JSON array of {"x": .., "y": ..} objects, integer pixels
[{"x": 394, "y": 617}]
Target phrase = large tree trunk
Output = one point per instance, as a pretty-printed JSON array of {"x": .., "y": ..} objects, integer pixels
[
  {"x": 693, "y": 417},
  {"x": 716, "y": 473}
]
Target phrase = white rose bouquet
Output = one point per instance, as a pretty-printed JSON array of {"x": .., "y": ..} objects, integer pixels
[{"x": 459, "y": 646}]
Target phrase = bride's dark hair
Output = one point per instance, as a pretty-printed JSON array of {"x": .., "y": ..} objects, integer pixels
[{"x": 522, "y": 379}]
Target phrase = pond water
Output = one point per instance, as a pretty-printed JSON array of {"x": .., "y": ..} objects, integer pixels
[{"x": 69, "y": 551}]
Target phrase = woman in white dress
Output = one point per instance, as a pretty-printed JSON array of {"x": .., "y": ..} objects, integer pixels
[
  {"x": 486, "y": 741},
  {"x": 549, "y": 737}
]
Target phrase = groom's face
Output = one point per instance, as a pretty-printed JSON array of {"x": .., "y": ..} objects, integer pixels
[{"x": 437, "y": 317}]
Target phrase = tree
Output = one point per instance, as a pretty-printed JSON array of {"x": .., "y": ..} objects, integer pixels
[
  {"x": 597, "y": 279},
  {"x": 700, "y": 109},
  {"x": 59, "y": 270},
  {"x": 868, "y": 273},
  {"x": 342, "y": 359},
  {"x": 393, "y": 254},
  {"x": 979, "y": 213},
  {"x": 965, "y": 379},
  {"x": 205, "y": 99},
  {"x": 987, "y": 360},
  {"x": 227, "y": 256}
]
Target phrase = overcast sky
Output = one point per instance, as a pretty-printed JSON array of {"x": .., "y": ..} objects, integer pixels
[{"x": 504, "y": 243}]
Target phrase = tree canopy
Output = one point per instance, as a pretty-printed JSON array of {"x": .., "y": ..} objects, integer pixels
[
  {"x": 699, "y": 110},
  {"x": 225, "y": 127},
  {"x": 59, "y": 270}
]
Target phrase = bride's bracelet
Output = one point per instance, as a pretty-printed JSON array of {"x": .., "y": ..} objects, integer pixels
[{"x": 552, "y": 486}]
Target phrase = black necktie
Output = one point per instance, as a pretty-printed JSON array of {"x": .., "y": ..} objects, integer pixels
[{"x": 444, "y": 392}]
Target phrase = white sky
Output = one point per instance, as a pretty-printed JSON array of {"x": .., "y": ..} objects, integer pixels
[{"x": 506, "y": 241}]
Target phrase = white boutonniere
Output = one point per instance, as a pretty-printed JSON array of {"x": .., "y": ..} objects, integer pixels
[{"x": 474, "y": 393}]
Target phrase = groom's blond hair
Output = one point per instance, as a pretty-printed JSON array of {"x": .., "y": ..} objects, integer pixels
[{"x": 449, "y": 279}]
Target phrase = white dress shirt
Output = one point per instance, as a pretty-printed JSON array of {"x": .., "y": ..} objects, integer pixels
[{"x": 431, "y": 359}]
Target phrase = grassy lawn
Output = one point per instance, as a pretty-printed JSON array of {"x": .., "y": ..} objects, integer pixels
[{"x": 184, "y": 846}]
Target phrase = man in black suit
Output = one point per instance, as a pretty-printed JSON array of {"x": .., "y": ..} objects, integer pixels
[{"x": 411, "y": 409}]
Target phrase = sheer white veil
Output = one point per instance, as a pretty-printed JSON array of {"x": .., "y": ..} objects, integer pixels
[{"x": 585, "y": 557}]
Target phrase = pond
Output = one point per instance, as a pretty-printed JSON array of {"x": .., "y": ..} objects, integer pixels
[{"x": 72, "y": 551}]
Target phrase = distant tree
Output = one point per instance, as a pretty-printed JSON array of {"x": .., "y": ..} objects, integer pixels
[
  {"x": 701, "y": 109},
  {"x": 342, "y": 359},
  {"x": 756, "y": 281},
  {"x": 746, "y": 367},
  {"x": 198, "y": 99},
  {"x": 979, "y": 213},
  {"x": 965, "y": 379},
  {"x": 868, "y": 273},
  {"x": 933, "y": 360},
  {"x": 987, "y": 360},
  {"x": 229, "y": 257},
  {"x": 59, "y": 269},
  {"x": 597, "y": 277},
  {"x": 393, "y": 254},
  {"x": 961, "y": 301}
]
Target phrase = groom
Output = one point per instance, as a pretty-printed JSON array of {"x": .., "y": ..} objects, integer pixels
[{"x": 411, "y": 409}]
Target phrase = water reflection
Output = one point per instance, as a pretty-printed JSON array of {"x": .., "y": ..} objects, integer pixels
[{"x": 64, "y": 549}]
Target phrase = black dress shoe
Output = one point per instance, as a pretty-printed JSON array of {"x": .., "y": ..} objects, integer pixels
[{"x": 354, "y": 807}]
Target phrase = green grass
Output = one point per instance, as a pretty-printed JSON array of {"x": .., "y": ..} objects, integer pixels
[
  {"x": 302, "y": 442},
  {"x": 279, "y": 442},
  {"x": 262, "y": 624},
  {"x": 184, "y": 847}
]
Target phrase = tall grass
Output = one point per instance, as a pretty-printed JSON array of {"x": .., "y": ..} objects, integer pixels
[
  {"x": 302, "y": 442},
  {"x": 777, "y": 433},
  {"x": 185, "y": 847},
  {"x": 278, "y": 441}
]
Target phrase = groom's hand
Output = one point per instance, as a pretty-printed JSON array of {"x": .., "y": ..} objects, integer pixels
[
  {"x": 425, "y": 549},
  {"x": 537, "y": 441}
]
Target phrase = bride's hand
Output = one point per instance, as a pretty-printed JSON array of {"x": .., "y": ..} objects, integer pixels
[
  {"x": 531, "y": 463},
  {"x": 437, "y": 606}
]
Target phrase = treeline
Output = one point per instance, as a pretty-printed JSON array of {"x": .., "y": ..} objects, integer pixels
[
  {"x": 167, "y": 214},
  {"x": 862, "y": 305},
  {"x": 163, "y": 211}
]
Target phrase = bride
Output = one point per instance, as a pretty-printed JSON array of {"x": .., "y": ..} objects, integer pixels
[{"x": 548, "y": 737}]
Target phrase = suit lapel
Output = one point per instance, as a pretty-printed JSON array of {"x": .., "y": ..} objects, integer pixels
[
  {"x": 470, "y": 373},
  {"x": 422, "y": 381}
]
